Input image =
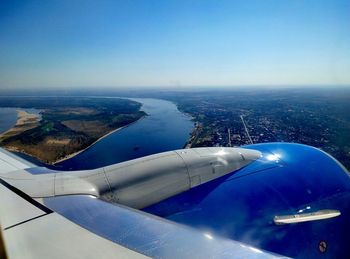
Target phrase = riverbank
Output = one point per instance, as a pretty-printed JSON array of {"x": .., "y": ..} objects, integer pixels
[
  {"x": 25, "y": 121},
  {"x": 65, "y": 126},
  {"x": 164, "y": 129},
  {"x": 194, "y": 135},
  {"x": 196, "y": 129},
  {"x": 104, "y": 136}
]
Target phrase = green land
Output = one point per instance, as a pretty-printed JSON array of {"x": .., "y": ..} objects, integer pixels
[{"x": 66, "y": 125}]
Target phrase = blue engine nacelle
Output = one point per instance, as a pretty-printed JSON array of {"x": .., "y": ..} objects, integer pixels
[{"x": 289, "y": 181}]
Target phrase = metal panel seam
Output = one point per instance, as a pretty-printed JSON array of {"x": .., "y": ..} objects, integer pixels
[
  {"x": 54, "y": 184},
  {"x": 188, "y": 172},
  {"x": 25, "y": 221},
  {"x": 109, "y": 185}
]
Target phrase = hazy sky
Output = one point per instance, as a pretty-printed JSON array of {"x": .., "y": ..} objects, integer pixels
[{"x": 169, "y": 43}]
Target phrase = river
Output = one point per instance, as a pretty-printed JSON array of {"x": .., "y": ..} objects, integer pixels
[
  {"x": 8, "y": 118},
  {"x": 165, "y": 128}
]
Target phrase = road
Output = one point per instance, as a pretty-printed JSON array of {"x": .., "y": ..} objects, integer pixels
[{"x": 246, "y": 130}]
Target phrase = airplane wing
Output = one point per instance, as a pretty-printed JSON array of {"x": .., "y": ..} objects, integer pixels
[
  {"x": 253, "y": 202},
  {"x": 10, "y": 162},
  {"x": 61, "y": 223},
  {"x": 31, "y": 230}
]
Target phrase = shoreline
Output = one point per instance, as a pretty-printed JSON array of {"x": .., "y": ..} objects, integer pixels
[
  {"x": 100, "y": 138},
  {"x": 195, "y": 131},
  {"x": 194, "y": 134},
  {"x": 187, "y": 144},
  {"x": 19, "y": 123},
  {"x": 24, "y": 118}
]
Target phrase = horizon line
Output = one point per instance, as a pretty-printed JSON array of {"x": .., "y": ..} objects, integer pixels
[{"x": 177, "y": 87}]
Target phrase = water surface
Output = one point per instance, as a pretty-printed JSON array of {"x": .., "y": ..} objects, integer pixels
[
  {"x": 8, "y": 118},
  {"x": 165, "y": 128}
]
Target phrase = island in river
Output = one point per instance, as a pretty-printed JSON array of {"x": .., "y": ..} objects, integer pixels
[{"x": 65, "y": 125}]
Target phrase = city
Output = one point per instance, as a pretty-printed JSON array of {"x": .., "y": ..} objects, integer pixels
[{"x": 317, "y": 117}]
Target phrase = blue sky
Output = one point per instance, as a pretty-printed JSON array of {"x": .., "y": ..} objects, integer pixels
[{"x": 170, "y": 43}]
